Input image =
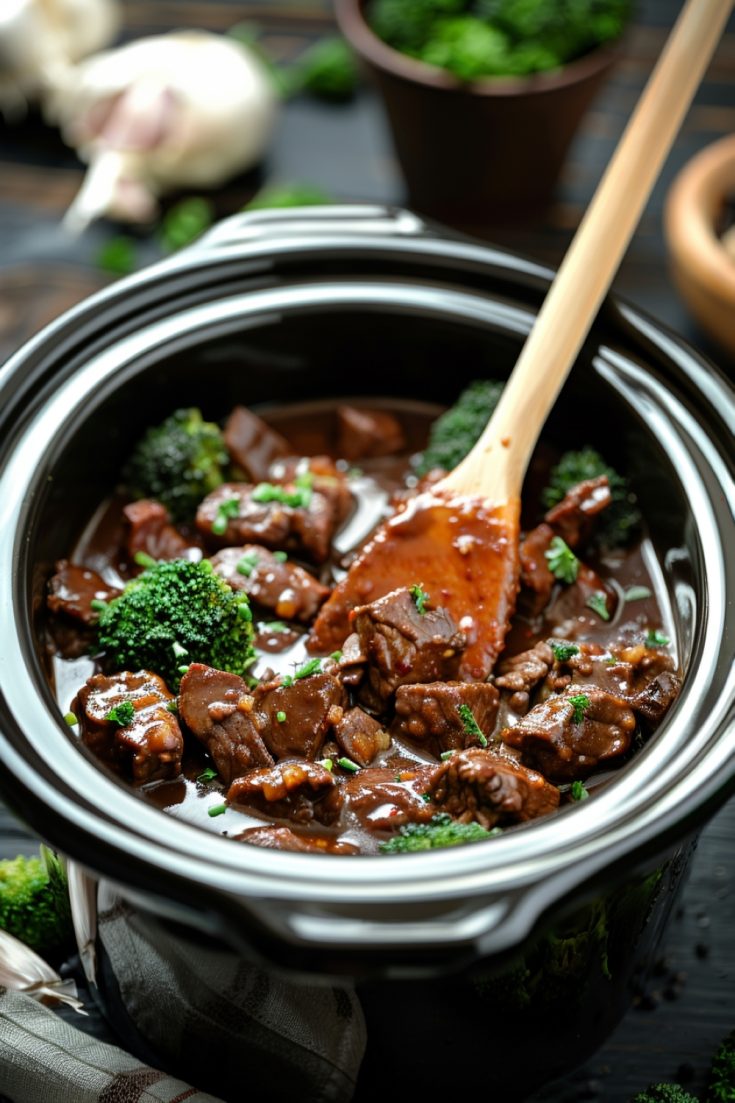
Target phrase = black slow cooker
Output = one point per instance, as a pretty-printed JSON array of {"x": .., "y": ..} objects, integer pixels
[{"x": 537, "y": 936}]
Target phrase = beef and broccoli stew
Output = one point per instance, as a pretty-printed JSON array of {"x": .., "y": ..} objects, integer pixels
[{"x": 194, "y": 655}]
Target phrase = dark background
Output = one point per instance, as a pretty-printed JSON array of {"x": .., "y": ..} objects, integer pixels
[{"x": 675, "y": 1025}]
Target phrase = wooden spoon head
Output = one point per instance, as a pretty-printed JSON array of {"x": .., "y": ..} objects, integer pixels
[{"x": 463, "y": 551}]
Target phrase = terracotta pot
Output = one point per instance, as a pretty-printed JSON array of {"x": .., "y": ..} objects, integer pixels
[
  {"x": 702, "y": 269},
  {"x": 482, "y": 153}
]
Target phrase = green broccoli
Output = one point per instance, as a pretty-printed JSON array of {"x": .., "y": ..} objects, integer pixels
[
  {"x": 288, "y": 195},
  {"x": 406, "y": 24},
  {"x": 441, "y": 830},
  {"x": 175, "y": 613},
  {"x": 327, "y": 69},
  {"x": 185, "y": 222},
  {"x": 664, "y": 1093},
  {"x": 178, "y": 462},
  {"x": 618, "y": 523},
  {"x": 34, "y": 901},
  {"x": 467, "y": 47},
  {"x": 721, "y": 1087},
  {"x": 453, "y": 433}
]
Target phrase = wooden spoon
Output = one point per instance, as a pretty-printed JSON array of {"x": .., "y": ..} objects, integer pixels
[{"x": 460, "y": 540}]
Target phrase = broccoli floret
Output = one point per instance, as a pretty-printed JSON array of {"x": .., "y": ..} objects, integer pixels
[
  {"x": 467, "y": 47},
  {"x": 453, "y": 434},
  {"x": 328, "y": 70},
  {"x": 34, "y": 901},
  {"x": 721, "y": 1088},
  {"x": 406, "y": 24},
  {"x": 664, "y": 1093},
  {"x": 178, "y": 463},
  {"x": 618, "y": 523},
  {"x": 288, "y": 195},
  {"x": 176, "y": 613},
  {"x": 441, "y": 830}
]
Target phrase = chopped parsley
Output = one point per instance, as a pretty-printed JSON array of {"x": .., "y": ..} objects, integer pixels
[
  {"x": 580, "y": 702},
  {"x": 656, "y": 638},
  {"x": 247, "y": 564},
  {"x": 173, "y": 706},
  {"x": 637, "y": 593},
  {"x": 470, "y": 725},
  {"x": 280, "y": 556},
  {"x": 225, "y": 511},
  {"x": 336, "y": 656},
  {"x": 275, "y": 626},
  {"x": 314, "y": 666},
  {"x": 287, "y": 680},
  {"x": 446, "y": 755},
  {"x": 281, "y": 716},
  {"x": 578, "y": 791},
  {"x": 97, "y": 605},
  {"x": 426, "y": 797},
  {"x": 121, "y": 714},
  {"x": 597, "y": 602},
  {"x": 420, "y": 597},
  {"x": 348, "y": 764},
  {"x": 564, "y": 651},
  {"x": 207, "y": 775},
  {"x": 299, "y": 498},
  {"x": 216, "y": 809},
  {"x": 562, "y": 561},
  {"x": 71, "y": 719}
]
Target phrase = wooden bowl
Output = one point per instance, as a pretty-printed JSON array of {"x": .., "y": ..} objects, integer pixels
[{"x": 703, "y": 269}]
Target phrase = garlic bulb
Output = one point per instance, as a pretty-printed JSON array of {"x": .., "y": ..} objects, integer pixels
[
  {"x": 181, "y": 110},
  {"x": 41, "y": 39}
]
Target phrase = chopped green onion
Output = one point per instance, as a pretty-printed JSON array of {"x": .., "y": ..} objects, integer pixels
[
  {"x": 420, "y": 597},
  {"x": 207, "y": 775},
  {"x": 122, "y": 714},
  {"x": 426, "y": 797},
  {"x": 348, "y": 764},
  {"x": 470, "y": 725},
  {"x": 655, "y": 638},
  {"x": 597, "y": 602},
  {"x": 244, "y": 610},
  {"x": 562, "y": 561},
  {"x": 580, "y": 702},
  {"x": 275, "y": 626},
  {"x": 287, "y": 680},
  {"x": 184, "y": 667},
  {"x": 281, "y": 556},
  {"x": 226, "y": 510},
  {"x": 445, "y": 755},
  {"x": 247, "y": 564},
  {"x": 578, "y": 791},
  {"x": 314, "y": 666},
  {"x": 71, "y": 719},
  {"x": 326, "y": 763},
  {"x": 281, "y": 716},
  {"x": 97, "y": 605},
  {"x": 216, "y": 809},
  {"x": 143, "y": 559},
  {"x": 270, "y": 492},
  {"x": 637, "y": 593},
  {"x": 336, "y": 656},
  {"x": 173, "y": 706},
  {"x": 564, "y": 651}
]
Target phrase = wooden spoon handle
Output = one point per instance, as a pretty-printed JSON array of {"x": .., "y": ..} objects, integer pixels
[{"x": 496, "y": 465}]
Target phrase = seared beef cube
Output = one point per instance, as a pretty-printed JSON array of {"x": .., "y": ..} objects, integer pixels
[
  {"x": 283, "y": 838},
  {"x": 365, "y": 433},
  {"x": 432, "y": 713},
  {"x": 291, "y": 790},
  {"x": 572, "y": 604},
  {"x": 567, "y": 735},
  {"x": 238, "y": 513},
  {"x": 295, "y": 718},
  {"x": 573, "y": 517},
  {"x": 403, "y": 646},
  {"x": 73, "y": 589},
  {"x": 146, "y": 747},
  {"x": 352, "y": 661},
  {"x": 360, "y": 737},
  {"x": 324, "y": 476},
  {"x": 218, "y": 709},
  {"x": 151, "y": 531},
  {"x": 535, "y": 573},
  {"x": 290, "y": 591},
  {"x": 490, "y": 788},
  {"x": 383, "y": 798},
  {"x": 253, "y": 445},
  {"x": 653, "y": 702},
  {"x": 520, "y": 673}
]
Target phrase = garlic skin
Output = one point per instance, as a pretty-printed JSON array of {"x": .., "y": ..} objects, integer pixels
[
  {"x": 182, "y": 110},
  {"x": 41, "y": 39}
]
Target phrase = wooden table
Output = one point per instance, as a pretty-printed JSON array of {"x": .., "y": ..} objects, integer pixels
[{"x": 346, "y": 151}]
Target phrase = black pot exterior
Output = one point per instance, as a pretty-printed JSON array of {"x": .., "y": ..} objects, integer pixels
[{"x": 269, "y": 308}]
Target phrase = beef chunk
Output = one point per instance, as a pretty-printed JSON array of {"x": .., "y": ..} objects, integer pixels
[
  {"x": 324, "y": 475},
  {"x": 352, "y": 661},
  {"x": 275, "y": 524},
  {"x": 292, "y": 790},
  {"x": 218, "y": 709},
  {"x": 294, "y": 719},
  {"x": 535, "y": 573},
  {"x": 383, "y": 798},
  {"x": 253, "y": 445},
  {"x": 284, "y": 838},
  {"x": 520, "y": 673},
  {"x": 364, "y": 433},
  {"x": 360, "y": 737},
  {"x": 290, "y": 591},
  {"x": 490, "y": 788},
  {"x": 403, "y": 646},
  {"x": 653, "y": 702},
  {"x": 150, "y": 531},
  {"x": 567, "y": 741},
  {"x": 571, "y": 604},
  {"x": 73, "y": 589},
  {"x": 430, "y": 713},
  {"x": 573, "y": 517},
  {"x": 148, "y": 748}
]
